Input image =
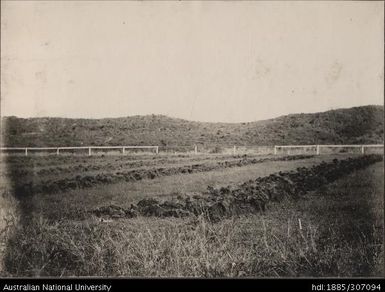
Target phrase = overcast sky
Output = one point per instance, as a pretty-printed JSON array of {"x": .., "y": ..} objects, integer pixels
[{"x": 212, "y": 61}]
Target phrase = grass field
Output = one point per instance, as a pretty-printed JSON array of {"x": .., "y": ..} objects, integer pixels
[{"x": 336, "y": 229}]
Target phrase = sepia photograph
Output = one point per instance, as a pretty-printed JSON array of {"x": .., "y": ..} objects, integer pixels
[{"x": 191, "y": 139}]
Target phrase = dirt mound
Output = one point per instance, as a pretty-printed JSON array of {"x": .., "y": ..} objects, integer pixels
[
  {"x": 114, "y": 212},
  {"x": 251, "y": 196}
]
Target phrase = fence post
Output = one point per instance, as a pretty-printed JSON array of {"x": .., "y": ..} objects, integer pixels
[
  {"x": 362, "y": 149},
  {"x": 26, "y": 151},
  {"x": 317, "y": 149},
  {"x": 195, "y": 149},
  {"x": 123, "y": 150},
  {"x": 157, "y": 149},
  {"x": 57, "y": 151},
  {"x": 89, "y": 151},
  {"x": 275, "y": 150}
]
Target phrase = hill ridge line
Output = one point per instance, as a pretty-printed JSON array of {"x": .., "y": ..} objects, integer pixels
[{"x": 356, "y": 125}]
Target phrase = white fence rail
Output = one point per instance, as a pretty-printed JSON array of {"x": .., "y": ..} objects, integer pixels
[
  {"x": 89, "y": 148},
  {"x": 318, "y": 148},
  {"x": 195, "y": 149}
]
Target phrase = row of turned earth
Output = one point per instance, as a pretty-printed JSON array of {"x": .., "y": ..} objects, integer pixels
[
  {"x": 87, "y": 181},
  {"x": 249, "y": 197},
  {"x": 35, "y": 167}
]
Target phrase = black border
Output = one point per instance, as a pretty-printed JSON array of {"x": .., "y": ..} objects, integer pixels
[{"x": 180, "y": 284}]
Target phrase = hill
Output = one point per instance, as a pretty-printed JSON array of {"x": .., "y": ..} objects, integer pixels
[{"x": 342, "y": 126}]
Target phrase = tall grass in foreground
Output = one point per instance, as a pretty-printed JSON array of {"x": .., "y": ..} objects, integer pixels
[
  {"x": 336, "y": 231},
  {"x": 146, "y": 247},
  {"x": 246, "y": 246}
]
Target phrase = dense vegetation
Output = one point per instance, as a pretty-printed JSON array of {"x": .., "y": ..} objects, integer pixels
[{"x": 343, "y": 126}]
